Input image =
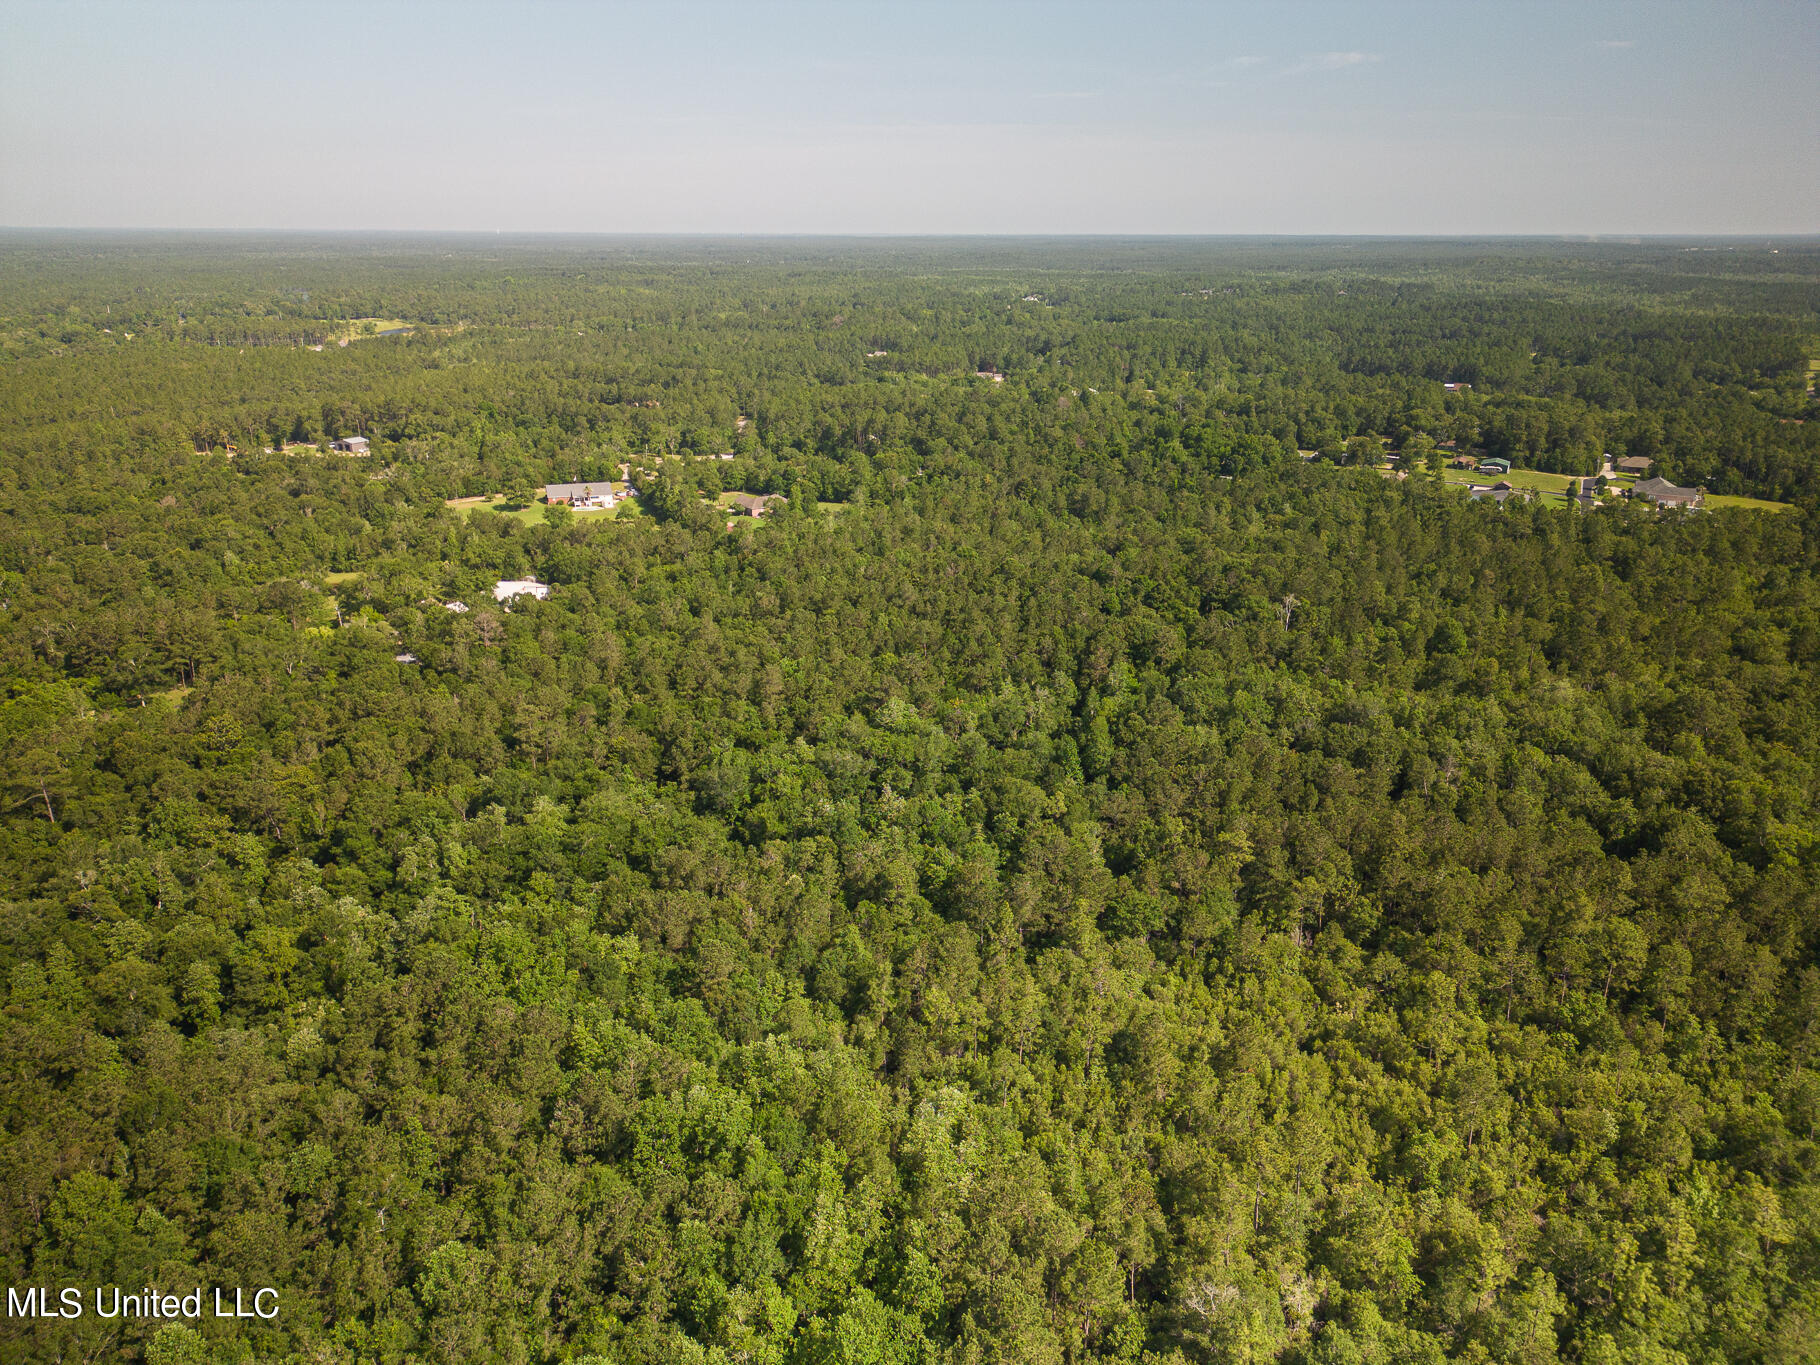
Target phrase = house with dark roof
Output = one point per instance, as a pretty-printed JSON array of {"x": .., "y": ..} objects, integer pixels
[
  {"x": 1665, "y": 494},
  {"x": 1634, "y": 464},
  {"x": 756, "y": 504},
  {"x": 1498, "y": 493}
]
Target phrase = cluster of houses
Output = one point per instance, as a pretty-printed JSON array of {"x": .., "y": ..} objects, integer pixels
[
  {"x": 1495, "y": 465},
  {"x": 1584, "y": 492},
  {"x": 602, "y": 494}
]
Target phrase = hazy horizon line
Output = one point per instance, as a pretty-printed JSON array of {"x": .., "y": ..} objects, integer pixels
[{"x": 1615, "y": 237}]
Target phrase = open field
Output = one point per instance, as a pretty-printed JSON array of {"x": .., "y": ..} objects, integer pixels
[
  {"x": 533, "y": 515},
  {"x": 723, "y": 502},
  {"x": 310, "y": 450},
  {"x": 1753, "y": 504},
  {"x": 1557, "y": 483},
  {"x": 1517, "y": 478},
  {"x": 360, "y": 329}
]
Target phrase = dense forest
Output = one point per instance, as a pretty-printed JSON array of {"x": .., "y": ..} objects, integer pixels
[{"x": 1076, "y": 881}]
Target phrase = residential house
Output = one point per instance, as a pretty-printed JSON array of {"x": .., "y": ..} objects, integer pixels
[
  {"x": 350, "y": 445},
  {"x": 1583, "y": 493},
  {"x": 1634, "y": 464},
  {"x": 755, "y": 504},
  {"x": 1665, "y": 494},
  {"x": 580, "y": 494},
  {"x": 508, "y": 588},
  {"x": 1499, "y": 493}
]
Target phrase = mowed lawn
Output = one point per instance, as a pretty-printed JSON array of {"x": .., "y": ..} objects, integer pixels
[
  {"x": 356, "y": 329},
  {"x": 723, "y": 503},
  {"x": 1558, "y": 483},
  {"x": 1737, "y": 500},
  {"x": 1517, "y": 478},
  {"x": 533, "y": 515}
]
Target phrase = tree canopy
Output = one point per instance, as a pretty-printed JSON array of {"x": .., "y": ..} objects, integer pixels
[{"x": 1075, "y": 881}]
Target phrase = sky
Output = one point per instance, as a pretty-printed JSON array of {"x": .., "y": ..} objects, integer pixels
[{"x": 1518, "y": 117}]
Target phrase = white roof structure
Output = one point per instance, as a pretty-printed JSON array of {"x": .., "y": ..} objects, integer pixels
[
  {"x": 599, "y": 491},
  {"x": 508, "y": 588}
]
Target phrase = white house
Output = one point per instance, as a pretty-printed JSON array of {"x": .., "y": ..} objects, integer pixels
[
  {"x": 508, "y": 588},
  {"x": 580, "y": 494}
]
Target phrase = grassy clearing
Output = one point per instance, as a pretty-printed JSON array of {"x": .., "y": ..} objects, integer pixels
[
  {"x": 530, "y": 516},
  {"x": 1751, "y": 504},
  {"x": 335, "y": 580},
  {"x": 1557, "y": 483},
  {"x": 358, "y": 329},
  {"x": 336, "y": 332},
  {"x": 723, "y": 503},
  {"x": 533, "y": 515},
  {"x": 1517, "y": 478}
]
